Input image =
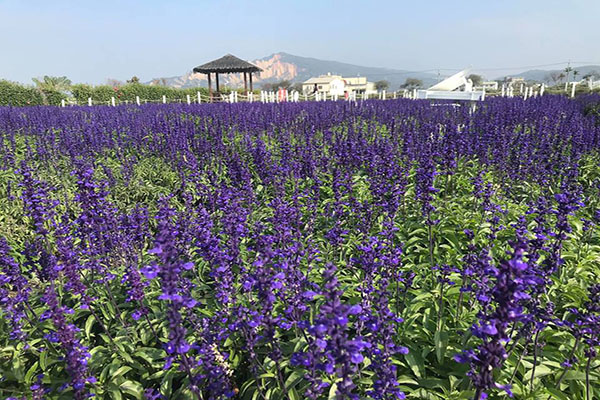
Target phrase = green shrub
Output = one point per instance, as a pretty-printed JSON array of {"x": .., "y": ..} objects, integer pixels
[
  {"x": 14, "y": 94},
  {"x": 128, "y": 92}
]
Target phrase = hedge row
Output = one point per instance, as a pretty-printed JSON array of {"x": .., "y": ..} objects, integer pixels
[
  {"x": 14, "y": 94},
  {"x": 128, "y": 92}
]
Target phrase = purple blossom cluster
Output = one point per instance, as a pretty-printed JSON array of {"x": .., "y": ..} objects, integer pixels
[{"x": 306, "y": 250}]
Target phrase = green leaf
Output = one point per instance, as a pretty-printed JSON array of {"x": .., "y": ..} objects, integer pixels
[
  {"x": 166, "y": 385},
  {"x": 44, "y": 360},
  {"x": 557, "y": 394},
  {"x": 415, "y": 362},
  {"x": 332, "y": 392},
  {"x": 441, "y": 343},
  {"x": 115, "y": 392},
  {"x": 121, "y": 371},
  {"x": 293, "y": 394},
  {"x": 17, "y": 367},
  {"x": 294, "y": 378},
  {"x": 89, "y": 324},
  {"x": 31, "y": 372},
  {"x": 133, "y": 388},
  {"x": 540, "y": 370}
]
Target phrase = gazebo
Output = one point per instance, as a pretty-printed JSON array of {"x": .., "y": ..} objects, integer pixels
[{"x": 228, "y": 64}]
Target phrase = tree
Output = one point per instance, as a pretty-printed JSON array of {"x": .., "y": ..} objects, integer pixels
[
  {"x": 476, "y": 79},
  {"x": 592, "y": 75},
  {"x": 134, "y": 79},
  {"x": 382, "y": 85},
  {"x": 575, "y": 73},
  {"x": 53, "y": 83},
  {"x": 411, "y": 83},
  {"x": 568, "y": 71},
  {"x": 284, "y": 84}
]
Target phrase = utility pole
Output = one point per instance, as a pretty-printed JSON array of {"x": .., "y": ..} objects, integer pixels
[{"x": 568, "y": 71}]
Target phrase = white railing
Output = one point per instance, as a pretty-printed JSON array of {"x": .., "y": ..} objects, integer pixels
[{"x": 284, "y": 96}]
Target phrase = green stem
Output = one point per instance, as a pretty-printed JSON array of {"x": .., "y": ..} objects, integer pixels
[
  {"x": 588, "y": 392},
  {"x": 440, "y": 307},
  {"x": 562, "y": 376},
  {"x": 535, "y": 353}
]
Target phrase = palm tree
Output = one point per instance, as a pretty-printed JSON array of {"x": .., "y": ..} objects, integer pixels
[
  {"x": 55, "y": 83},
  {"x": 568, "y": 71}
]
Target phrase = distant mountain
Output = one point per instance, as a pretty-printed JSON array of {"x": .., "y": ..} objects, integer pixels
[
  {"x": 542, "y": 75},
  {"x": 284, "y": 66}
]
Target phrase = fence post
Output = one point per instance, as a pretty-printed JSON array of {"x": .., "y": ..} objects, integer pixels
[
  {"x": 164, "y": 99},
  {"x": 573, "y": 88},
  {"x": 112, "y": 101},
  {"x": 199, "y": 98},
  {"x": 89, "y": 101},
  {"x": 542, "y": 89},
  {"x": 62, "y": 102},
  {"x": 137, "y": 100}
]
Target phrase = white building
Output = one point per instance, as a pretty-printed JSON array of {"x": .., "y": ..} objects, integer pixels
[
  {"x": 336, "y": 85},
  {"x": 328, "y": 84},
  {"x": 491, "y": 85}
]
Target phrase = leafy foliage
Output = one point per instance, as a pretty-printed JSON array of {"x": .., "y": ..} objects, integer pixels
[
  {"x": 384, "y": 250},
  {"x": 128, "y": 92},
  {"x": 14, "y": 94}
]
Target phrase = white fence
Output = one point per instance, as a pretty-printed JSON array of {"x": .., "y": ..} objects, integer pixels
[
  {"x": 283, "y": 96},
  {"x": 263, "y": 97}
]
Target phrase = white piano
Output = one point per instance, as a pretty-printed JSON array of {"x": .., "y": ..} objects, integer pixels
[{"x": 456, "y": 87}]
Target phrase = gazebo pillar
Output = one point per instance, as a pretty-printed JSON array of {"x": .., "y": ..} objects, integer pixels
[
  {"x": 209, "y": 88},
  {"x": 250, "y": 81},
  {"x": 246, "y": 83},
  {"x": 217, "y": 79}
]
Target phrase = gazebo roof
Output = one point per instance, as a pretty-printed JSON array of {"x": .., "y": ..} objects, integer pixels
[{"x": 227, "y": 64}]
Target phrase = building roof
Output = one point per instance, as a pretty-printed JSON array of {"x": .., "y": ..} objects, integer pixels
[
  {"x": 227, "y": 64},
  {"x": 322, "y": 79}
]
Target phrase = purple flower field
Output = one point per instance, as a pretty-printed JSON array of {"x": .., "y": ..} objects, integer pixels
[{"x": 334, "y": 250}]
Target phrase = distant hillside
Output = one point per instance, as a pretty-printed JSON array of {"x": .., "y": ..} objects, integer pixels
[
  {"x": 284, "y": 66},
  {"x": 542, "y": 75}
]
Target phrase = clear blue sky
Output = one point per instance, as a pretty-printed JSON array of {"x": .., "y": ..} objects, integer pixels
[{"x": 90, "y": 41}]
